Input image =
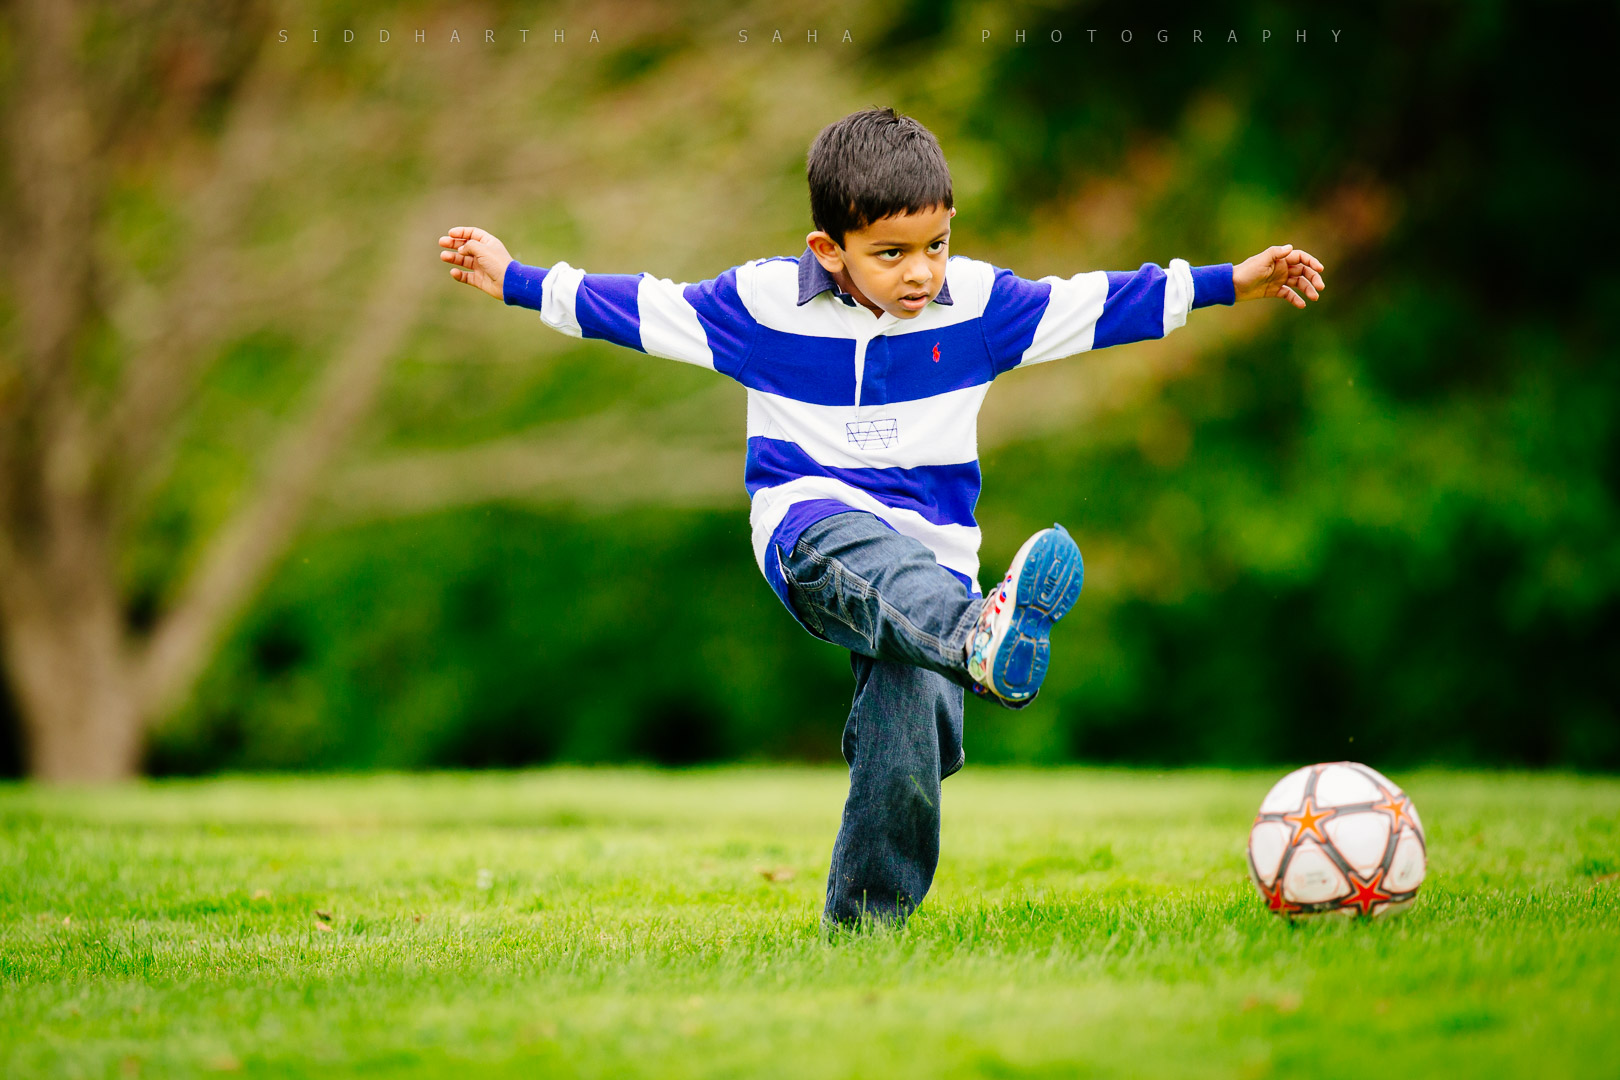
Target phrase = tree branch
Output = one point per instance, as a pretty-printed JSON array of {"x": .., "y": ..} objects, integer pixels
[
  {"x": 171, "y": 335},
  {"x": 45, "y": 445},
  {"x": 238, "y": 557}
]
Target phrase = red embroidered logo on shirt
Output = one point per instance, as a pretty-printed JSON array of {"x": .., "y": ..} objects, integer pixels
[{"x": 936, "y": 352}]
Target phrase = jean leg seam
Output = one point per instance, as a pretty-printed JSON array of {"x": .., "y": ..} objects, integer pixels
[
  {"x": 847, "y": 576},
  {"x": 911, "y": 628},
  {"x": 965, "y": 626}
]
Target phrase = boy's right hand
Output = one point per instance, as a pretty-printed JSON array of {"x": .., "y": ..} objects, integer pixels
[{"x": 480, "y": 259}]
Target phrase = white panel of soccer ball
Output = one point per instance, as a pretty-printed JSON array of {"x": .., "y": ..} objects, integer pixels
[{"x": 1339, "y": 837}]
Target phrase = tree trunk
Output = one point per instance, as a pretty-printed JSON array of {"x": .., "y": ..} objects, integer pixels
[
  {"x": 63, "y": 634},
  {"x": 64, "y": 651}
]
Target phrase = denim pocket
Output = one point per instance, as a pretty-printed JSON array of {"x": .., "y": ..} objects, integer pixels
[
  {"x": 801, "y": 595},
  {"x": 824, "y": 570},
  {"x": 844, "y": 599}
]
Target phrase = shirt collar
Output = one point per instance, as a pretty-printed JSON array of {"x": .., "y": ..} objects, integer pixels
[{"x": 814, "y": 280}]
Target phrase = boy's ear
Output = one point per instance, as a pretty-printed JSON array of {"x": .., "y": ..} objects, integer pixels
[{"x": 827, "y": 253}]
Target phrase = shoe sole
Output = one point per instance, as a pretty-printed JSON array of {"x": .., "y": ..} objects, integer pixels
[{"x": 1048, "y": 585}]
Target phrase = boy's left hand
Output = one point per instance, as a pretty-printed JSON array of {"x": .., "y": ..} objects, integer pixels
[{"x": 1277, "y": 272}]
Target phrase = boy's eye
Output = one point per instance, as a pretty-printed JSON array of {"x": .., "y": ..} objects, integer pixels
[{"x": 896, "y": 251}]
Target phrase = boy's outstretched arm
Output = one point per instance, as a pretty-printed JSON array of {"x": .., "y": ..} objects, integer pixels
[
  {"x": 1031, "y": 322},
  {"x": 706, "y": 323}
]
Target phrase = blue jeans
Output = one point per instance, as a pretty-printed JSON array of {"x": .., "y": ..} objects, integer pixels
[{"x": 906, "y": 621}]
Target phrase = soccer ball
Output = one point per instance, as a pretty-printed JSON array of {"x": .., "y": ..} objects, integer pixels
[{"x": 1337, "y": 837}]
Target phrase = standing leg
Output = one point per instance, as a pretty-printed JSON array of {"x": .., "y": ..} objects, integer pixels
[{"x": 904, "y": 734}]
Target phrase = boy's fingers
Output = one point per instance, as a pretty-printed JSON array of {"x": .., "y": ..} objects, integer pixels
[{"x": 1308, "y": 259}]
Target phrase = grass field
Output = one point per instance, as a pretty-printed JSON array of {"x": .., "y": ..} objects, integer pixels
[{"x": 628, "y": 923}]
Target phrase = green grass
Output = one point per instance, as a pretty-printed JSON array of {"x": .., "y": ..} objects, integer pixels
[{"x": 617, "y": 923}]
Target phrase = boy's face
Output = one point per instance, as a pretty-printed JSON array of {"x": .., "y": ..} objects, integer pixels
[{"x": 894, "y": 258}]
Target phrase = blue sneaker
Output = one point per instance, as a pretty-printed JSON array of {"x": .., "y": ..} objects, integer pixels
[{"x": 1007, "y": 653}]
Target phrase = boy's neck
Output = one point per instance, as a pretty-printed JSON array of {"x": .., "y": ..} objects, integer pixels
[{"x": 842, "y": 277}]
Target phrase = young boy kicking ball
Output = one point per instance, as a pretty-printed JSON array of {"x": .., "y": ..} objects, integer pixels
[{"x": 865, "y": 360}]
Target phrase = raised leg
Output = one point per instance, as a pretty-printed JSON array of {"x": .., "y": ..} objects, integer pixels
[{"x": 859, "y": 584}]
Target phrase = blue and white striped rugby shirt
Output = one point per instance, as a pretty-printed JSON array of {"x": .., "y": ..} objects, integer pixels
[{"x": 851, "y": 410}]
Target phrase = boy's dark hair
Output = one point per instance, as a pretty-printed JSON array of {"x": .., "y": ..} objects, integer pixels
[{"x": 872, "y": 164}]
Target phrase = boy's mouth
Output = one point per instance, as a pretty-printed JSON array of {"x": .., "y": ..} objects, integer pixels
[{"x": 914, "y": 301}]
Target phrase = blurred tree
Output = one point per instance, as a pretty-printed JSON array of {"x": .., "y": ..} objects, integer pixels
[{"x": 88, "y": 90}]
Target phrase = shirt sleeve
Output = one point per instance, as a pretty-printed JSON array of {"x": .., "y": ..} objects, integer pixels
[
  {"x": 705, "y": 323},
  {"x": 1030, "y": 322}
]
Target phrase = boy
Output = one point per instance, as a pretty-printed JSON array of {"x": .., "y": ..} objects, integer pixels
[{"x": 866, "y": 359}]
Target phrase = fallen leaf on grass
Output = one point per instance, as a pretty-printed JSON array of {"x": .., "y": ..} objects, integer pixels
[
  {"x": 417, "y": 917},
  {"x": 776, "y": 873},
  {"x": 323, "y": 928},
  {"x": 67, "y": 920},
  {"x": 1285, "y": 1003}
]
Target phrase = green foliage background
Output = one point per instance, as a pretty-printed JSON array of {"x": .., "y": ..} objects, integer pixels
[{"x": 1381, "y": 528}]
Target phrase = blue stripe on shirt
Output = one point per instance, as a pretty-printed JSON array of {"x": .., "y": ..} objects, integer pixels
[
  {"x": 1134, "y": 310},
  {"x": 942, "y": 494},
  {"x": 817, "y": 370},
  {"x": 520, "y": 286},
  {"x": 901, "y": 367},
  {"x": 1213, "y": 285},
  {"x": 606, "y": 308},
  {"x": 729, "y": 327},
  {"x": 1010, "y": 317}
]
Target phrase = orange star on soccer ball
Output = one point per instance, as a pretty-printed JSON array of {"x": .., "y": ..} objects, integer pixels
[
  {"x": 1368, "y": 895},
  {"x": 1306, "y": 822},
  {"x": 1274, "y": 898},
  {"x": 1396, "y": 805}
]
